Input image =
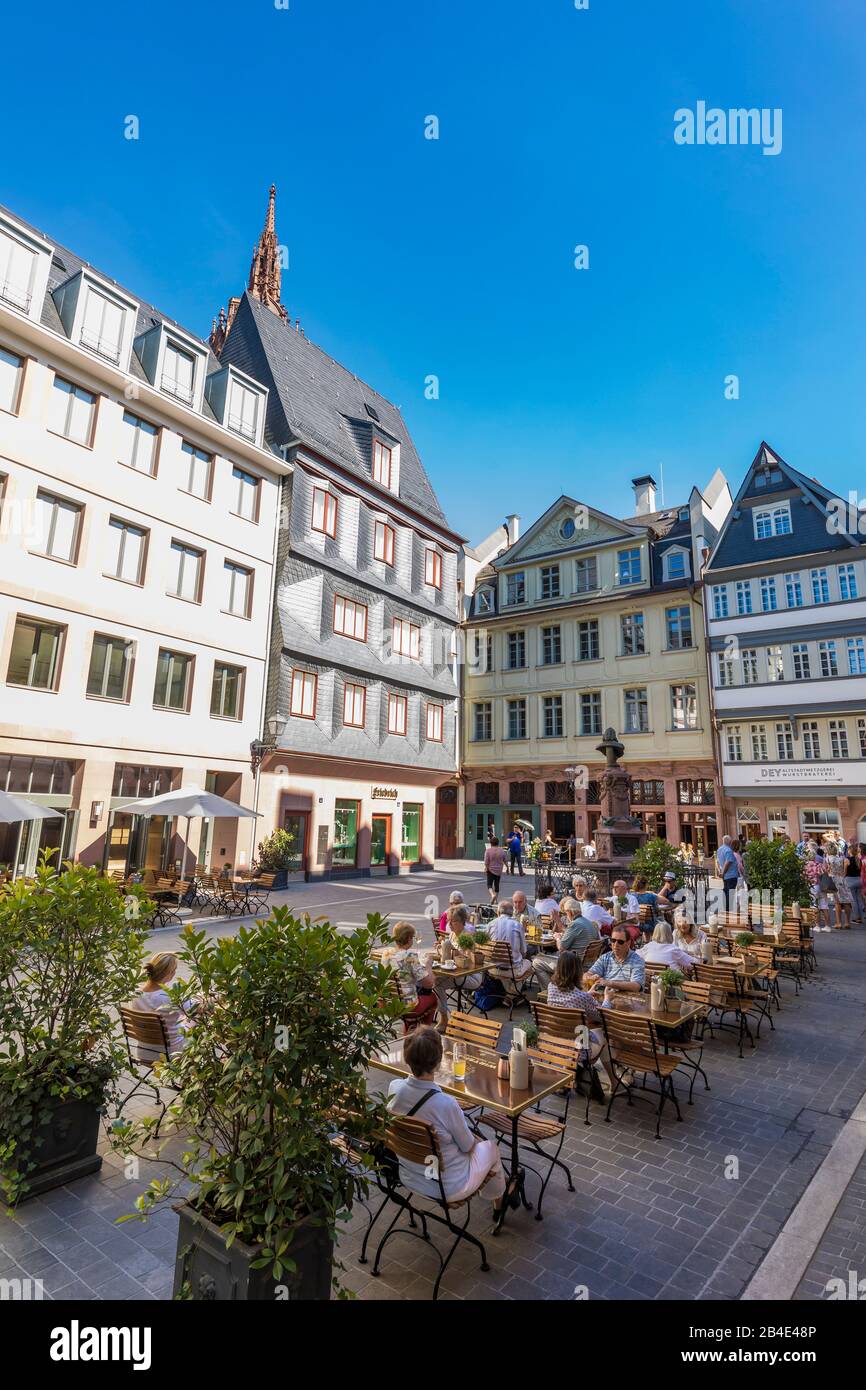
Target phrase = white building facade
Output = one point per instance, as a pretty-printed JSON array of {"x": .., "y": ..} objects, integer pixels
[{"x": 139, "y": 516}]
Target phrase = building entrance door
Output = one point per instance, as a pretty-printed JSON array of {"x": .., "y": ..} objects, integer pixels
[
  {"x": 380, "y": 841},
  {"x": 295, "y": 822}
]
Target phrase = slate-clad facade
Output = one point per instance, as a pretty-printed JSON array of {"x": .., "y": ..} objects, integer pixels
[
  {"x": 786, "y": 621},
  {"x": 362, "y": 688}
]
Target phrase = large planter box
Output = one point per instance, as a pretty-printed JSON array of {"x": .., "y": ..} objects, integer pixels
[
  {"x": 217, "y": 1274},
  {"x": 66, "y": 1147}
]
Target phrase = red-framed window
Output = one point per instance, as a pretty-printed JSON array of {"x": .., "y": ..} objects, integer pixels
[
  {"x": 354, "y": 705},
  {"x": 324, "y": 512},
  {"x": 406, "y": 639},
  {"x": 434, "y": 723},
  {"x": 381, "y": 463},
  {"x": 304, "y": 692},
  {"x": 350, "y": 618},
  {"x": 397, "y": 707},
  {"x": 383, "y": 543},
  {"x": 433, "y": 569}
]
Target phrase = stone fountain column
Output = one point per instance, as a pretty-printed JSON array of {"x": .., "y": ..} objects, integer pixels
[{"x": 619, "y": 833}]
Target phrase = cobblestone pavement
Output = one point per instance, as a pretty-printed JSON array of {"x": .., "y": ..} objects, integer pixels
[
  {"x": 648, "y": 1219},
  {"x": 841, "y": 1254}
]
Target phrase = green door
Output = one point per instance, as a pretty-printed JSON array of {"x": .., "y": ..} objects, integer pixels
[
  {"x": 410, "y": 845},
  {"x": 380, "y": 840},
  {"x": 345, "y": 854}
]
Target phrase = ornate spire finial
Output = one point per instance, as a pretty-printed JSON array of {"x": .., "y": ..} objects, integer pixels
[{"x": 265, "y": 271}]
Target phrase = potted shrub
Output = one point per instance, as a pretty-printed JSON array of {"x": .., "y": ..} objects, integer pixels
[
  {"x": 287, "y": 1015},
  {"x": 480, "y": 939},
  {"x": 276, "y": 856},
  {"x": 774, "y": 867},
  {"x": 672, "y": 978},
  {"x": 70, "y": 952},
  {"x": 466, "y": 942}
]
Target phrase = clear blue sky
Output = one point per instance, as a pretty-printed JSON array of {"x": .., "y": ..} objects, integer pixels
[{"x": 411, "y": 257}]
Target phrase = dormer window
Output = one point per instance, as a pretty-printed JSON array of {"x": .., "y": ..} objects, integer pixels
[
  {"x": 238, "y": 402},
  {"x": 772, "y": 521},
  {"x": 102, "y": 326},
  {"x": 17, "y": 269},
  {"x": 382, "y": 468},
  {"x": 676, "y": 563},
  {"x": 96, "y": 316},
  {"x": 484, "y": 600},
  {"x": 433, "y": 569},
  {"x": 243, "y": 410},
  {"x": 178, "y": 373}
]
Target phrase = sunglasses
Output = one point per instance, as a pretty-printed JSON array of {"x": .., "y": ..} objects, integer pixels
[{"x": 619, "y": 940}]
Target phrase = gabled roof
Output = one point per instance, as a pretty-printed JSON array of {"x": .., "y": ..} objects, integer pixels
[
  {"x": 629, "y": 530},
  {"x": 316, "y": 401},
  {"x": 818, "y": 496}
]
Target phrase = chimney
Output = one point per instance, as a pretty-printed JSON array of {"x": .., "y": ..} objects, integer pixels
[
  {"x": 512, "y": 526},
  {"x": 644, "y": 494}
]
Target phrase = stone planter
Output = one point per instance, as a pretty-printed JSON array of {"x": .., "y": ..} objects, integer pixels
[
  {"x": 65, "y": 1147},
  {"x": 217, "y": 1274}
]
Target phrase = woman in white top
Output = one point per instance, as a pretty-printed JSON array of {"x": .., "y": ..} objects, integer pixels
[
  {"x": 159, "y": 972},
  {"x": 662, "y": 951},
  {"x": 688, "y": 936}
]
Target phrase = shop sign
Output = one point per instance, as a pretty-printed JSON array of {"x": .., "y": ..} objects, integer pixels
[{"x": 383, "y": 793}]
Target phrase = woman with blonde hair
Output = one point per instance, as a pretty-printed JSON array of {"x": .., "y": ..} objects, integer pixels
[
  {"x": 153, "y": 997},
  {"x": 414, "y": 977},
  {"x": 662, "y": 951}
]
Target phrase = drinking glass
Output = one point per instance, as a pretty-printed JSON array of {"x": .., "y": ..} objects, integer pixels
[{"x": 458, "y": 1062}]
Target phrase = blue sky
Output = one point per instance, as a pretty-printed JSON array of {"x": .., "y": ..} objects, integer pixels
[{"x": 411, "y": 257}]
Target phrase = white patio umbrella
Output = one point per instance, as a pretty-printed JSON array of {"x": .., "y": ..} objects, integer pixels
[
  {"x": 190, "y": 802},
  {"x": 18, "y": 808},
  {"x": 14, "y": 809}
]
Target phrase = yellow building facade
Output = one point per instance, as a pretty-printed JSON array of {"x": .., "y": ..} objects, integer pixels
[{"x": 586, "y": 623}]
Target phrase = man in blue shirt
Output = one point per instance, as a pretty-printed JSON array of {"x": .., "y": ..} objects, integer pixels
[
  {"x": 620, "y": 967},
  {"x": 727, "y": 862},
  {"x": 515, "y": 848}
]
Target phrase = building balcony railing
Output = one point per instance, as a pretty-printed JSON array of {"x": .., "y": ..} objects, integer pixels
[
  {"x": 103, "y": 347},
  {"x": 176, "y": 389},
  {"x": 15, "y": 295}
]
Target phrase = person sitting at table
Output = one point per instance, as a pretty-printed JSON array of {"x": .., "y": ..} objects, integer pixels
[
  {"x": 458, "y": 922},
  {"x": 468, "y": 1163},
  {"x": 662, "y": 951},
  {"x": 624, "y": 899},
  {"x": 578, "y": 888},
  {"x": 415, "y": 981},
  {"x": 666, "y": 896},
  {"x": 153, "y": 997},
  {"x": 566, "y": 992},
  {"x": 507, "y": 929},
  {"x": 620, "y": 967},
  {"x": 688, "y": 936},
  {"x": 455, "y": 899},
  {"x": 576, "y": 934},
  {"x": 522, "y": 909},
  {"x": 546, "y": 904},
  {"x": 592, "y": 909}
]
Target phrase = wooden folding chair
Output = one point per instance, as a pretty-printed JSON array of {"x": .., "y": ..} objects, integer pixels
[
  {"x": 478, "y": 1032},
  {"x": 537, "y": 1127},
  {"x": 635, "y": 1050},
  {"x": 413, "y": 1141},
  {"x": 147, "y": 1030},
  {"x": 500, "y": 964},
  {"x": 556, "y": 1022}
]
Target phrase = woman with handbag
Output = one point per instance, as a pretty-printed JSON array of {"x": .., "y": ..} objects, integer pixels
[
  {"x": 823, "y": 887},
  {"x": 854, "y": 880}
]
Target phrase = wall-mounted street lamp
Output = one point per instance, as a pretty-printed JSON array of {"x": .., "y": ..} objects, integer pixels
[{"x": 260, "y": 746}]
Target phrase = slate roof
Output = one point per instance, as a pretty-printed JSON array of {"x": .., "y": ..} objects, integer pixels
[
  {"x": 65, "y": 264},
  {"x": 317, "y": 401}
]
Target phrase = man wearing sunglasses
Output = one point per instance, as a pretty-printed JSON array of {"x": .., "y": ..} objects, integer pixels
[{"x": 620, "y": 967}]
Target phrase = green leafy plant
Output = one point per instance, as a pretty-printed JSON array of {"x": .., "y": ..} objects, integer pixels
[
  {"x": 654, "y": 859},
  {"x": 276, "y": 852},
  {"x": 530, "y": 1028},
  {"x": 71, "y": 950},
  {"x": 481, "y": 937},
  {"x": 466, "y": 941},
  {"x": 744, "y": 939},
  {"x": 536, "y": 849},
  {"x": 288, "y": 1015},
  {"x": 773, "y": 866},
  {"x": 671, "y": 978}
]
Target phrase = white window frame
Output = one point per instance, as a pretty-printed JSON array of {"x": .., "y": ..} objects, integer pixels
[{"x": 779, "y": 517}]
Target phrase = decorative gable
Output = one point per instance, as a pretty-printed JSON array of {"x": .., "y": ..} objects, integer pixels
[{"x": 566, "y": 528}]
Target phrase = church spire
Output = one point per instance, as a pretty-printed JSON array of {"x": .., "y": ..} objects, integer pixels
[
  {"x": 265, "y": 271},
  {"x": 264, "y": 281}
]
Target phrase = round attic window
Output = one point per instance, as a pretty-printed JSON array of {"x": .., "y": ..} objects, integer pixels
[{"x": 567, "y": 529}]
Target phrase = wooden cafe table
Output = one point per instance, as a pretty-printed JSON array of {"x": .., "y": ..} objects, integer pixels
[
  {"x": 456, "y": 978},
  {"x": 481, "y": 1086}
]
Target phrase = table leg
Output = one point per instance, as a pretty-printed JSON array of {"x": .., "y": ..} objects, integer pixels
[{"x": 514, "y": 1172}]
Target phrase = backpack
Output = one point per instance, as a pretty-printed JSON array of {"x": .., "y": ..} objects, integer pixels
[{"x": 489, "y": 994}]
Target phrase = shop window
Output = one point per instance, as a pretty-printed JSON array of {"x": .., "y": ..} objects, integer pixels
[
  {"x": 345, "y": 853},
  {"x": 410, "y": 840}
]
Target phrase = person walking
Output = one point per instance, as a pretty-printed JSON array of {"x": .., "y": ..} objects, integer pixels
[
  {"x": 515, "y": 851},
  {"x": 854, "y": 866},
  {"x": 495, "y": 859},
  {"x": 726, "y": 861}
]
